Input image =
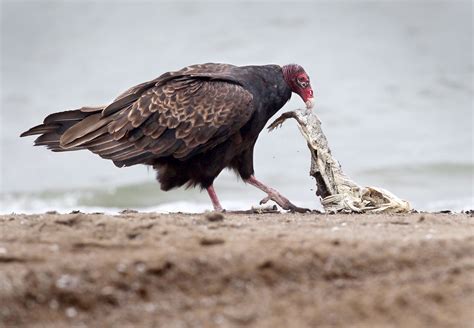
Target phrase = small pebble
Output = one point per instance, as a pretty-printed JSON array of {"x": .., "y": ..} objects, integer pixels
[
  {"x": 140, "y": 267},
  {"x": 71, "y": 312},
  {"x": 214, "y": 217},
  {"x": 121, "y": 267},
  {"x": 211, "y": 241},
  {"x": 67, "y": 281}
]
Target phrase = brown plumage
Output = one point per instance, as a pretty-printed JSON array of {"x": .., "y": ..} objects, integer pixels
[{"x": 188, "y": 124}]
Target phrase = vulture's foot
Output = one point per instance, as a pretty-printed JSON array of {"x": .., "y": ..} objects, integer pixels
[
  {"x": 274, "y": 195},
  {"x": 283, "y": 202}
]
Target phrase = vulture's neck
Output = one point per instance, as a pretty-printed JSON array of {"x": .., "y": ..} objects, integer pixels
[{"x": 268, "y": 86}]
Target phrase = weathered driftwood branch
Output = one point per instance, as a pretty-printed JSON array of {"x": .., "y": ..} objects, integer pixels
[{"x": 337, "y": 192}]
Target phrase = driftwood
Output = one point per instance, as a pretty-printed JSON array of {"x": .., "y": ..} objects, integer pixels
[{"x": 337, "y": 192}]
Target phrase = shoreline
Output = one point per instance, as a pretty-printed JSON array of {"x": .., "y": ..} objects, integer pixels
[
  {"x": 237, "y": 269},
  {"x": 114, "y": 211}
]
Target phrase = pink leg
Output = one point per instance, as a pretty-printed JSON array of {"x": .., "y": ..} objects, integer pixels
[
  {"x": 274, "y": 195},
  {"x": 214, "y": 199}
]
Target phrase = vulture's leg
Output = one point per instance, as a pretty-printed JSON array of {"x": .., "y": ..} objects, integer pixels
[
  {"x": 214, "y": 199},
  {"x": 274, "y": 195}
]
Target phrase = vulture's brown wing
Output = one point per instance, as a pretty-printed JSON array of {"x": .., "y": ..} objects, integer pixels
[
  {"x": 182, "y": 117},
  {"x": 208, "y": 70}
]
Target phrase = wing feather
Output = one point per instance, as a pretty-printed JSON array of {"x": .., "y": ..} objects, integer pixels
[
  {"x": 179, "y": 114},
  {"x": 184, "y": 121}
]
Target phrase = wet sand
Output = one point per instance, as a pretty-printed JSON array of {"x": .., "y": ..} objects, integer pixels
[{"x": 237, "y": 270}]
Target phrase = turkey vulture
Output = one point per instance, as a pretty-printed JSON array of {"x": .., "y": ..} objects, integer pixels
[{"x": 188, "y": 124}]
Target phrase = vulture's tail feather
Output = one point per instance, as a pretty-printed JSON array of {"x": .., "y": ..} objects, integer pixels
[
  {"x": 57, "y": 124},
  {"x": 86, "y": 128}
]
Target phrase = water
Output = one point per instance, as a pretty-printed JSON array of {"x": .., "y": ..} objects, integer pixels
[{"x": 393, "y": 82}]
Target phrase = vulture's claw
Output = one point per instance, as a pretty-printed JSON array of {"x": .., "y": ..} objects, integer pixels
[
  {"x": 265, "y": 200},
  {"x": 283, "y": 202}
]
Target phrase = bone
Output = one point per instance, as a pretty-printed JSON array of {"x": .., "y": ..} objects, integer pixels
[{"x": 336, "y": 191}]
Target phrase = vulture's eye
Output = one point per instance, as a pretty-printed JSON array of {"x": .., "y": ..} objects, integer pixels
[{"x": 302, "y": 82}]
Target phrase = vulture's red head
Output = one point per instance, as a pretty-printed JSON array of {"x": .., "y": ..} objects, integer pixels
[{"x": 298, "y": 81}]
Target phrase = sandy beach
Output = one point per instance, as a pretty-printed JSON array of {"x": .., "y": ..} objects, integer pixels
[{"x": 237, "y": 270}]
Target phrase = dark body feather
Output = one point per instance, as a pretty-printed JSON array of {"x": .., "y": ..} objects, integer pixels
[{"x": 188, "y": 124}]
